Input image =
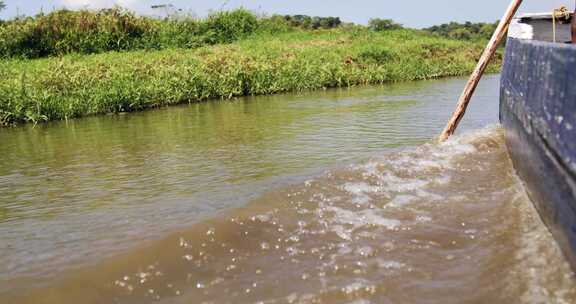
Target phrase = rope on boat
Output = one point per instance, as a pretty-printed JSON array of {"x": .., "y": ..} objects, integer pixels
[{"x": 559, "y": 13}]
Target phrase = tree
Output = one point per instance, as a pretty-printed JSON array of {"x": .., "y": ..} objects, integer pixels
[
  {"x": 383, "y": 25},
  {"x": 461, "y": 34},
  {"x": 465, "y": 31}
]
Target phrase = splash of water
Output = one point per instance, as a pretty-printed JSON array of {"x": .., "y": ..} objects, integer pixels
[{"x": 444, "y": 223}]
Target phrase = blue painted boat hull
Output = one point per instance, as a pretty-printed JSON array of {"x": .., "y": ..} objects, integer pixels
[{"x": 538, "y": 113}]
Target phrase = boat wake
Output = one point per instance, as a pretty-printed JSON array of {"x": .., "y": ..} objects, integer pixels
[{"x": 440, "y": 223}]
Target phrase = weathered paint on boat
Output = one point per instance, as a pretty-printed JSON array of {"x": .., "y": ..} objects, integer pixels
[{"x": 538, "y": 112}]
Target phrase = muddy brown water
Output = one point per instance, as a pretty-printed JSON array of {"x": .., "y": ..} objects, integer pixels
[{"x": 323, "y": 197}]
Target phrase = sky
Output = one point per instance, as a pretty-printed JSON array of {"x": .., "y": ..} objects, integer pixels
[{"x": 411, "y": 13}]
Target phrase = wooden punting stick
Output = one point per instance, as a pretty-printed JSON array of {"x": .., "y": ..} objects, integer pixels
[{"x": 479, "y": 70}]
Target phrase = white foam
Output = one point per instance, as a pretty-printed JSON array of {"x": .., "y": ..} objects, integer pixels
[
  {"x": 390, "y": 264},
  {"x": 362, "y": 218},
  {"x": 401, "y": 200},
  {"x": 359, "y": 286},
  {"x": 359, "y": 192},
  {"x": 423, "y": 219}
]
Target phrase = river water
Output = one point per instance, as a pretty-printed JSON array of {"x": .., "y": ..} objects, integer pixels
[{"x": 337, "y": 196}]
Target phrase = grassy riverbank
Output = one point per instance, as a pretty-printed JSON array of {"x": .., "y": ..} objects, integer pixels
[{"x": 264, "y": 63}]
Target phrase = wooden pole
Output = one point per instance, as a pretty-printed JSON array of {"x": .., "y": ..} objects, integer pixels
[{"x": 479, "y": 70}]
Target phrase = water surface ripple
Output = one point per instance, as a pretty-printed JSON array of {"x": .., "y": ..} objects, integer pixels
[{"x": 321, "y": 197}]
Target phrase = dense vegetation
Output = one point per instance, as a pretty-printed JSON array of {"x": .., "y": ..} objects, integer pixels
[
  {"x": 87, "y": 32},
  {"x": 464, "y": 31},
  {"x": 63, "y": 32},
  {"x": 113, "y": 61},
  {"x": 73, "y": 86}
]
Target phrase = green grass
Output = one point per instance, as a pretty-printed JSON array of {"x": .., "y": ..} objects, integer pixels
[{"x": 80, "y": 85}]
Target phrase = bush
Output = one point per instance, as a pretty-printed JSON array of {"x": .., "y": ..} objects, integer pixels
[
  {"x": 184, "y": 33},
  {"x": 63, "y": 32},
  {"x": 383, "y": 25},
  {"x": 274, "y": 24},
  {"x": 226, "y": 27},
  {"x": 376, "y": 55}
]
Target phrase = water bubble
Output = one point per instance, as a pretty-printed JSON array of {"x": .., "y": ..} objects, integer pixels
[
  {"x": 217, "y": 281},
  {"x": 188, "y": 257},
  {"x": 365, "y": 251},
  {"x": 292, "y": 298},
  {"x": 262, "y": 218},
  {"x": 423, "y": 219},
  {"x": 294, "y": 238},
  {"x": 143, "y": 276},
  {"x": 390, "y": 264},
  {"x": 358, "y": 288},
  {"x": 119, "y": 283}
]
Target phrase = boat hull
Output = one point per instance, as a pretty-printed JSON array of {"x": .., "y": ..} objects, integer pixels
[{"x": 538, "y": 113}]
